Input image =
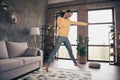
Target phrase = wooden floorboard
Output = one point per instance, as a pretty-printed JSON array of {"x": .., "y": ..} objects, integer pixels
[{"x": 106, "y": 71}]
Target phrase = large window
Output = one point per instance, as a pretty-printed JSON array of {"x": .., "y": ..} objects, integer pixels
[{"x": 98, "y": 46}]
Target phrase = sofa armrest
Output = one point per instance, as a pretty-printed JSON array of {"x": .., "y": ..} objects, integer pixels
[
  {"x": 41, "y": 55},
  {"x": 40, "y": 52},
  {"x": 32, "y": 52}
]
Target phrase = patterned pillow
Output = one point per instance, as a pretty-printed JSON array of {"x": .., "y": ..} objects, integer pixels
[{"x": 31, "y": 52}]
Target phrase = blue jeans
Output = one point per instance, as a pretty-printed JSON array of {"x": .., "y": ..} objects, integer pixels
[{"x": 66, "y": 42}]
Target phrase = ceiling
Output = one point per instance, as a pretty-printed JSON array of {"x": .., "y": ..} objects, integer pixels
[{"x": 58, "y": 1}]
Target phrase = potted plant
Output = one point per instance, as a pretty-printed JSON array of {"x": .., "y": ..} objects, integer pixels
[
  {"x": 112, "y": 28},
  {"x": 49, "y": 26},
  {"x": 82, "y": 49}
]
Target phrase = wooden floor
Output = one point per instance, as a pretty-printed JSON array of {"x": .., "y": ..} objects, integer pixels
[{"x": 106, "y": 72}]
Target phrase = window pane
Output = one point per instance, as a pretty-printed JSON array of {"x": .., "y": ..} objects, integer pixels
[
  {"x": 98, "y": 53},
  {"x": 73, "y": 30},
  {"x": 98, "y": 34},
  {"x": 63, "y": 53},
  {"x": 73, "y": 35},
  {"x": 100, "y": 16}
]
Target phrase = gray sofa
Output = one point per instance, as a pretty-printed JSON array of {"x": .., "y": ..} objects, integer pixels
[{"x": 16, "y": 59}]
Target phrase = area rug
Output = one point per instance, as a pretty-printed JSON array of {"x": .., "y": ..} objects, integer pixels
[{"x": 58, "y": 74}]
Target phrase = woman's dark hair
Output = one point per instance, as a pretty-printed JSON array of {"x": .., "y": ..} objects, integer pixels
[
  {"x": 61, "y": 14},
  {"x": 69, "y": 11}
]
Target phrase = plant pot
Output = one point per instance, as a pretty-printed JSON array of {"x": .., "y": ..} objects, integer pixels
[{"x": 82, "y": 59}]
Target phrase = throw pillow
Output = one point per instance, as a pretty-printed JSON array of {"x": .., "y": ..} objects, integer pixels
[
  {"x": 3, "y": 50},
  {"x": 16, "y": 49},
  {"x": 31, "y": 52}
]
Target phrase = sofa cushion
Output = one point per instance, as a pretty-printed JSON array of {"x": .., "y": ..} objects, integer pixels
[
  {"x": 7, "y": 64},
  {"x": 31, "y": 52},
  {"x": 16, "y": 49},
  {"x": 3, "y": 50},
  {"x": 28, "y": 60}
]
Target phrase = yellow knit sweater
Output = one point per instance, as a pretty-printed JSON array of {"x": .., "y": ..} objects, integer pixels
[{"x": 64, "y": 26}]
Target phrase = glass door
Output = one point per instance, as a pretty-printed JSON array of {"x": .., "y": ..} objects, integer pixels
[{"x": 98, "y": 31}]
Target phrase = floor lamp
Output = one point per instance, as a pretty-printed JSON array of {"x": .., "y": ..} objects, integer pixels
[{"x": 34, "y": 32}]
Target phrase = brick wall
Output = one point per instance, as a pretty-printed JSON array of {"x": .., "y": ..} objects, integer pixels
[{"x": 117, "y": 24}]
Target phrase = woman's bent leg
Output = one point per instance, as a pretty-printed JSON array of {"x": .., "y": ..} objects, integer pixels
[
  {"x": 68, "y": 46},
  {"x": 57, "y": 45}
]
